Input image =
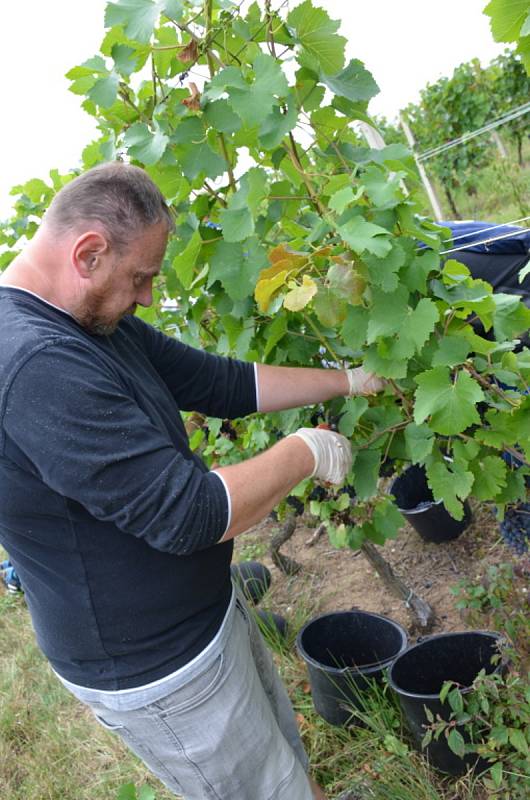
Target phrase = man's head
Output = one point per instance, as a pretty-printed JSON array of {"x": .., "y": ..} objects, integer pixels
[{"x": 112, "y": 224}]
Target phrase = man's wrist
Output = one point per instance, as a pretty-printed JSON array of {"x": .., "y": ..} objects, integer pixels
[{"x": 304, "y": 458}]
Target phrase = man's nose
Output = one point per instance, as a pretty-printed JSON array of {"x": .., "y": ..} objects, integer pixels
[{"x": 145, "y": 296}]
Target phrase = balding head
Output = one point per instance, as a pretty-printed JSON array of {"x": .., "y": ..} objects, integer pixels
[{"x": 121, "y": 199}]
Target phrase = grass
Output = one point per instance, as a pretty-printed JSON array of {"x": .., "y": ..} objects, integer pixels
[
  {"x": 50, "y": 746},
  {"x": 52, "y": 749},
  {"x": 501, "y": 192}
]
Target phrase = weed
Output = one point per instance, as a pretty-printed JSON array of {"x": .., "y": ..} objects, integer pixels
[{"x": 500, "y": 602}]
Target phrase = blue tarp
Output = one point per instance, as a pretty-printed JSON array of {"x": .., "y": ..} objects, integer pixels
[{"x": 468, "y": 234}]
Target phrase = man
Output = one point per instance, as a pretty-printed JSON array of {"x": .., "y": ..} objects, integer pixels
[{"x": 120, "y": 535}]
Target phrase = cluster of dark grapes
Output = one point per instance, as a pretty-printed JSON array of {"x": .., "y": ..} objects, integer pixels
[
  {"x": 515, "y": 528},
  {"x": 296, "y": 504},
  {"x": 387, "y": 468},
  {"x": 228, "y": 430},
  {"x": 318, "y": 493}
]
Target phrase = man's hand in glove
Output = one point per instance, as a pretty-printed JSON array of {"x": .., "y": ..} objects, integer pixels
[
  {"x": 331, "y": 451},
  {"x": 363, "y": 383}
]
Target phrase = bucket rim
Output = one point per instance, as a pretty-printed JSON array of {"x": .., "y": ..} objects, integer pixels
[
  {"x": 436, "y": 695},
  {"x": 408, "y": 512},
  {"x": 373, "y": 666},
  {"x": 415, "y": 509}
]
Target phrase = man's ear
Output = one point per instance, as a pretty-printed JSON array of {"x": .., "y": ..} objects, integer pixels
[{"x": 89, "y": 251}]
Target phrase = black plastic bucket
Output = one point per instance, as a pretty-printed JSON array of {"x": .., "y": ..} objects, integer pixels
[
  {"x": 344, "y": 651},
  {"x": 272, "y": 625},
  {"x": 418, "y": 674},
  {"x": 428, "y": 517},
  {"x": 253, "y": 578}
]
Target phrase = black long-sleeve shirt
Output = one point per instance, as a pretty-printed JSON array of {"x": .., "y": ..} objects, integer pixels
[{"x": 108, "y": 517}]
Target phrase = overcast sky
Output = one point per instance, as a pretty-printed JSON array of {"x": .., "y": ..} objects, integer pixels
[{"x": 405, "y": 45}]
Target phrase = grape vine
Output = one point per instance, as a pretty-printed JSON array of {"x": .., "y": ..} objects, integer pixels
[{"x": 297, "y": 244}]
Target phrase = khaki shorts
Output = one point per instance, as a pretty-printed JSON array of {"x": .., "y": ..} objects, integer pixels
[{"x": 227, "y": 734}]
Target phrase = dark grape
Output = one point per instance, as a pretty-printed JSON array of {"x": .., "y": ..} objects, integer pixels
[
  {"x": 228, "y": 430},
  {"x": 296, "y": 504},
  {"x": 319, "y": 493},
  {"x": 349, "y": 490},
  {"x": 387, "y": 468},
  {"x": 515, "y": 528}
]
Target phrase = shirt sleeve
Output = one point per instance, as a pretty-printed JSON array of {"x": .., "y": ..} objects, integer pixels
[
  {"x": 69, "y": 420},
  {"x": 200, "y": 381}
]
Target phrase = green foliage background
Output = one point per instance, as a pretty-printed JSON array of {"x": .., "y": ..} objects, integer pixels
[{"x": 297, "y": 244}]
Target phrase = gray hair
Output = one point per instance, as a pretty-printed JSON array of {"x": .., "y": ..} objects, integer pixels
[{"x": 121, "y": 197}]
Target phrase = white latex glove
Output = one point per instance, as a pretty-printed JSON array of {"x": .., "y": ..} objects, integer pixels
[
  {"x": 331, "y": 451},
  {"x": 363, "y": 383}
]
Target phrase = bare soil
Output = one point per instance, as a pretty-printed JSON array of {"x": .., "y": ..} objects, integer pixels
[{"x": 338, "y": 580}]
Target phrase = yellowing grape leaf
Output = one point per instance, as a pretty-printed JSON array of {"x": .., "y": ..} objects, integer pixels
[{"x": 300, "y": 296}]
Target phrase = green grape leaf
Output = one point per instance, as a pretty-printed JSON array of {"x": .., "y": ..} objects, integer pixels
[
  {"x": 354, "y": 82},
  {"x": 236, "y": 267},
  {"x": 228, "y": 78},
  {"x": 366, "y": 473},
  {"x": 274, "y": 333},
  {"x": 490, "y": 477},
  {"x": 387, "y": 519},
  {"x": 384, "y": 271},
  {"x": 364, "y": 236},
  {"x": 452, "y": 350},
  {"x": 184, "y": 262},
  {"x": 194, "y": 154},
  {"x": 317, "y": 34},
  {"x": 419, "y": 441},
  {"x": 125, "y": 59},
  {"x": 278, "y": 124},
  {"x": 351, "y": 412},
  {"x": 387, "y": 318},
  {"x": 416, "y": 274},
  {"x": 355, "y": 327},
  {"x": 451, "y": 405},
  {"x": 330, "y": 310},
  {"x": 238, "y": 334},
  {"x": 385, "y": 367},
  {"x": 237, "y": 224},
  {"x": 138, "y": 18},
  {"x": 341, "y": 199},
  {"x": 420, "y": 323},
  {"x": 254, "y": 188},
  {"x": 219, "y": 115},
  {"x": 198, "y": 158},
  {"x": 144, "y": 145},
  {"x": 253, "y": 102},
  {"x": 510, "y": 318},
  {"x": 338, "y": 535},
  {"x": 105, "y": 90},
  {"x": 309, "y": 94},
  {"x": 383, "y": 190},
  {"x": 170, "y": 181},
  {"x": 173, "y": 9},
  {"x": 507, "y": 19},
  {"x": 337, "y": 182},
  {"x": 449, "y": 483}
]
